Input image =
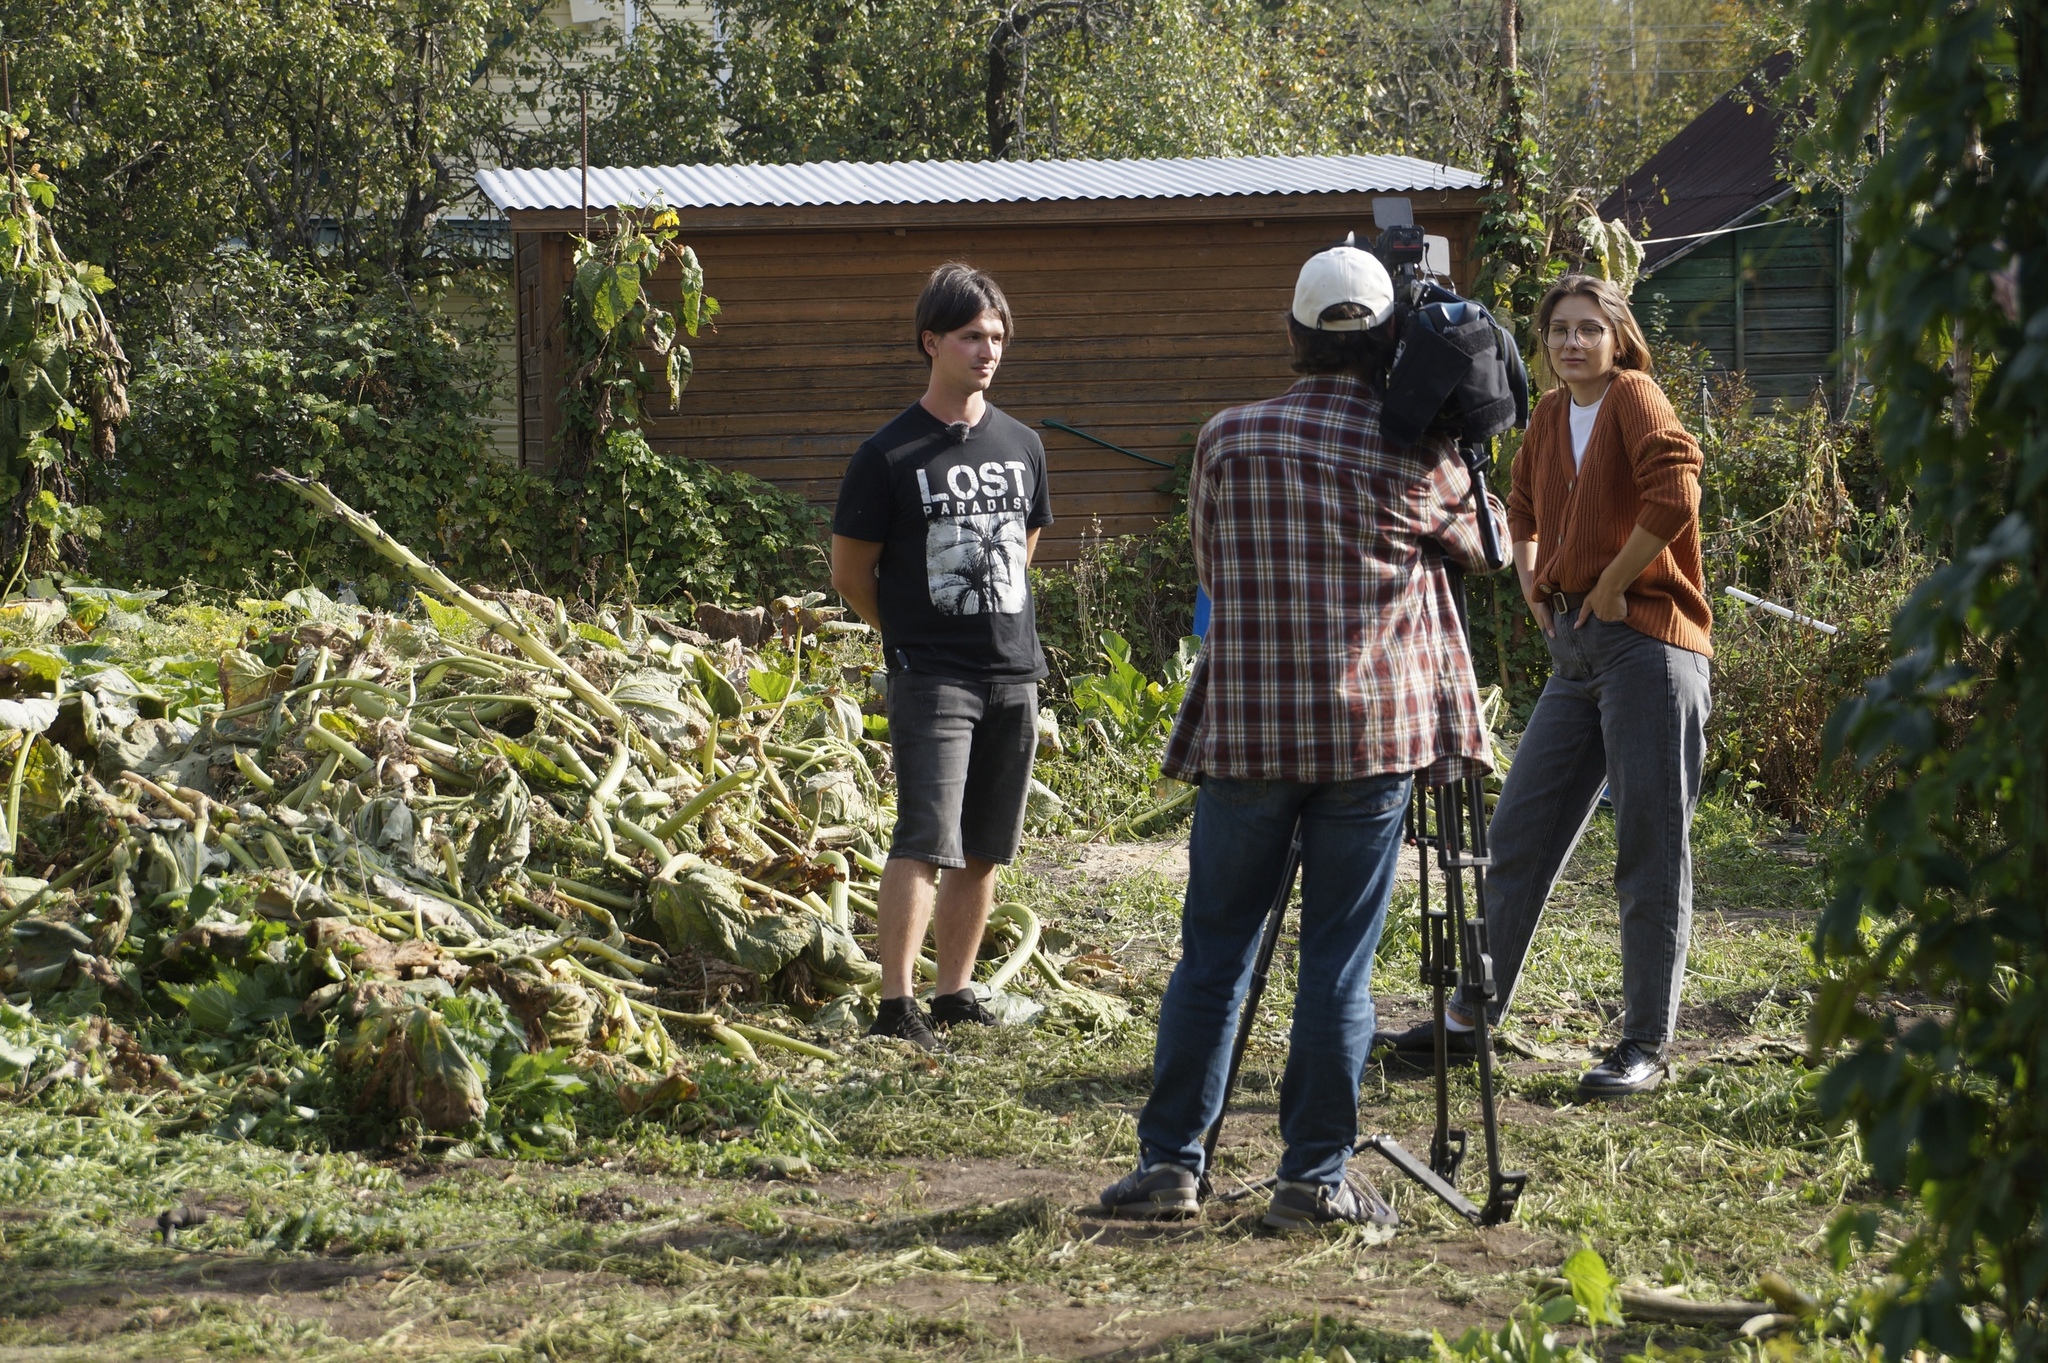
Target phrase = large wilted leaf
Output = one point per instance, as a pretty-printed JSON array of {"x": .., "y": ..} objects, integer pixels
[
  {"x": 417, "y": 1068},
  {"x": 701, "y": 906},
  {"x": 44, "y": 952},
  {"x": 556, "y": 1011},
  {"x": 39, "y": 379},
  {"x": 32, "y": 715},
  {"x": 246, "y": 679},
  {"x": 657, "y": 699},
  {"x": 448, "y": 1092},
  {"x": 118, "y": 598},
  {"x": 17, "y": 314},
  {"x": 388, "y": 825},
  {"x": 834, "y": 797},
  {"x": 320, "y": 606},
  {"x": 502, "y": 810},
  {"x": 174, "y": 863},
  {"x": 833, "y": 953},
  {"x": 723, "y": 696},
  {"x": 47, "y": 781}
]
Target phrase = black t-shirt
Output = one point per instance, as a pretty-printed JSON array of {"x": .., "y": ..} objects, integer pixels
[{"x": 950, "y": 506}]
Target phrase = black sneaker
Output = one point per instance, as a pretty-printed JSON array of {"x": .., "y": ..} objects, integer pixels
[
  {"x": 950, "y": 1010},
  {"x": 1296, "y": 1206},
  {"x": 905, "y": 1021},
  {"x": 1164, "y": 1190},
  {"x": 1631, "y": 1067},
  {"x": 1418, "y": 1044}
]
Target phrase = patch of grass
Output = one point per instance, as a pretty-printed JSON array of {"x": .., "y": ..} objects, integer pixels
[{"x": 943, "y": 1218}]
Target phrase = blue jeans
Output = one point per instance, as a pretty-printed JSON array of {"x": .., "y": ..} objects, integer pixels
[{"x": 1350, "y": 841}]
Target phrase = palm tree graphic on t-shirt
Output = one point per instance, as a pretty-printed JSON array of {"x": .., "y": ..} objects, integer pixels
[{"x": 975, "y": 564}]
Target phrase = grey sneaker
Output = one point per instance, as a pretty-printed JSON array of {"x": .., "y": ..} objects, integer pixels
[
  {"x": 1163, "y": 1190},
  {"x": 1354, "y": 1201},
  {"x": 1631, "y": 1067}
]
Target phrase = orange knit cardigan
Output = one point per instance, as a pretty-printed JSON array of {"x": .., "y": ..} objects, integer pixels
[{"x": 1641, "y": 468}]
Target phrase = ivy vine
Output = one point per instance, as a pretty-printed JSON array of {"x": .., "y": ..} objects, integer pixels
[{"x": 62, "y": 377}]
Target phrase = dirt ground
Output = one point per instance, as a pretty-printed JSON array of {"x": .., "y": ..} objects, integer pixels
[{"x": 954, "y": 1217}]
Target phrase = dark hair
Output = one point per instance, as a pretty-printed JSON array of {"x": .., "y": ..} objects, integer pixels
[
  {"x": 1361, "y": 354},
  {"x": 955, "y": 295},
  {"x": 1631, "y": 349}
]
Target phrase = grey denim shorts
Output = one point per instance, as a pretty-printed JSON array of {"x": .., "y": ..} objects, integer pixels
[{"x": 963, "y": 753}]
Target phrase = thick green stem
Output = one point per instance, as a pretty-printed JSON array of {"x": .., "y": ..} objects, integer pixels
[{"x": 456, "y": 594}]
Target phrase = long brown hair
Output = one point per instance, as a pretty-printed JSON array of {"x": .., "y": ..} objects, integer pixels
[{"x": 1631, "y": 350}]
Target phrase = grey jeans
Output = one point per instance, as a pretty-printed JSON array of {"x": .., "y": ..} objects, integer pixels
[{"x": 1628, "y": 711}]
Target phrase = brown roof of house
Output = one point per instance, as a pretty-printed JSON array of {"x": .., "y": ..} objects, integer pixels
[{"x": 1720, "y": 168}]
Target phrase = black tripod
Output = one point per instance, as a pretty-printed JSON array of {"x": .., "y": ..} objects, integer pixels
[{"x": 1449, "y": 820}]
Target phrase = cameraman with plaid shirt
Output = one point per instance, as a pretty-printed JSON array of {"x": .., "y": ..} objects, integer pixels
[{"x": 1334, "y": 670}]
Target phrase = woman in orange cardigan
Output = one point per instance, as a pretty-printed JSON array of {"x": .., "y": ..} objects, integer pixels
[{"x": 1604, "y": 515}]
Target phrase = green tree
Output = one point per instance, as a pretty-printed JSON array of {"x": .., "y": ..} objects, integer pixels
[
  {"x": 972, "y": 79},
  {"x": 305, "y": 129},
  {"x": 1946, "y": 108}
]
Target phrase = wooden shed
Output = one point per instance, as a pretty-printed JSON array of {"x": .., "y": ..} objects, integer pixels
[
  {"x": 1736, "y": 260},
  {"x": 1148, "y": 295}
]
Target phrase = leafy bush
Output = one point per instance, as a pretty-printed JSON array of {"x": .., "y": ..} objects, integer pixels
[
  {"x": 374, "y": 390},
  {"x": 1141, "y": 587},
  {"x": 1790, "y": 513},
  {"x": 664, "y": 527},
  {"x": 279, "y": 366},
  {"x": 1131, "y": 707}
]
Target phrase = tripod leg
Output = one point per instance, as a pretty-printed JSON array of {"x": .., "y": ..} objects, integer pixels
[
  {"x": 1455, "y": 950},
  {"x": 1262, "y": 968},
  {"x": 1446, "y": 1145},
  {"x": 1504, "y": 1188}
]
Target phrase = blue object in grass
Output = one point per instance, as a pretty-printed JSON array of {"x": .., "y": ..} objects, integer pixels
[{"x": 1201, "y": 613}]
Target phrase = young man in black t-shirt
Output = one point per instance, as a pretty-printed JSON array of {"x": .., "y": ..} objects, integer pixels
[{"x": 937, "y": 519}]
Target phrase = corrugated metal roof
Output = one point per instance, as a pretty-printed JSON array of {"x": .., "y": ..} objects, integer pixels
[
  {"x": 931, "y": 182},
  {"x": 1717, "y": 170}
]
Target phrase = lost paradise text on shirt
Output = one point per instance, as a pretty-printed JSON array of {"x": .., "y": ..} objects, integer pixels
[{"x": 952, "y": 507}]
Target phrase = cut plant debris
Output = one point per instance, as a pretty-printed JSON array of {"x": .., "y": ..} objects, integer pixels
[{"x": 449, "y": 874}]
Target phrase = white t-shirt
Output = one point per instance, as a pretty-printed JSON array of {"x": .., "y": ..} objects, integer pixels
[{"x": 1582, "y": 429}]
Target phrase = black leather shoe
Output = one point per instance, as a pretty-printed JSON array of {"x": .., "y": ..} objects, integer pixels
[
  {"x": 1418, "y": 1044},
  {"x": 1631, "y": 1067}
]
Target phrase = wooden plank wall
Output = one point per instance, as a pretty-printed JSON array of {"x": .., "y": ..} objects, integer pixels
[
  {"x": 1136, "y": 332},
  {"x": 1791, "y": 322}
]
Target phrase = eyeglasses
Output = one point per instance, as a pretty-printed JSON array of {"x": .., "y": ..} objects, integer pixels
[{"x": 1585, "y": 334}]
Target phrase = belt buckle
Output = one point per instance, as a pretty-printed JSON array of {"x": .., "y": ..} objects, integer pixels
[{"x": 1558, "y": 605}]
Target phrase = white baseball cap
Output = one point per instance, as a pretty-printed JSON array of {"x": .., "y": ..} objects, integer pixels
[{"x": 1343, "y": 274}]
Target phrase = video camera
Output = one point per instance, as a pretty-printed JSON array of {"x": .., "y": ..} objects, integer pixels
[{"x": 1456, "y": 370}]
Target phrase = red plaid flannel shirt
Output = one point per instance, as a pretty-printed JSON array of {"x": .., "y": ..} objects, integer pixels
[{"x": 1334, "y": 649}]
